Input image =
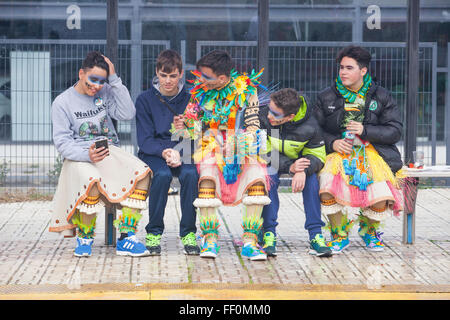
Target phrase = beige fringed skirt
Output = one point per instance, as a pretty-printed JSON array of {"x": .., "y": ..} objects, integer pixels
[{"x": 115, "y": 176}]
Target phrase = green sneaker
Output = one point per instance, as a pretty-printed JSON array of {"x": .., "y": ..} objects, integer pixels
[
  {"x": 153, "y": 244},
  {"x": 318, "y": 247},
  {"x": 270, "y": 244},
  {"x": 190, "y": 244}
]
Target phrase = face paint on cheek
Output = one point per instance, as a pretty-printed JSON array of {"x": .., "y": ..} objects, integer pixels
[{"x": 90, "y": 87}]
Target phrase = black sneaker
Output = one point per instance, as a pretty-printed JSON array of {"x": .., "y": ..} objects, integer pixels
[
  {"x": 153, "y": 244},
  {"x": 270, "y": 244},
  {"x": 190, "y": 244}
]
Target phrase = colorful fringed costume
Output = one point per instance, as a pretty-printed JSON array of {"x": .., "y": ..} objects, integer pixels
[
  {"x": 85, "y": 186},
  {"x": 361, "y": 182},
  {"x": 362, "y": 179},
  {"x": 78, "y": 178},
  {"x": 224, "y": 122}
]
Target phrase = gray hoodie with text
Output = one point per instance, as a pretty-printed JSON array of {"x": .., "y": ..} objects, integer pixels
[{"x": 78, "y": 119}]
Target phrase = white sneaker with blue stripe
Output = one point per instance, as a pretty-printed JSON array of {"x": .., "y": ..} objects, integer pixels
[{"x": 130, "y": 246}]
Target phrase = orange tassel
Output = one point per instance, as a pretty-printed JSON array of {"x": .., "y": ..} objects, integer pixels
[
  {"x": 213, "y": 124},
  {"x": 232, "y": 119}
]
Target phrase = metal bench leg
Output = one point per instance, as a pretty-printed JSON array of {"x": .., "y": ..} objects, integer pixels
[
  {"x": 410, "y": 232},
  {"x": 409, "y": 217},
  {"x": 110, "y": 230}
]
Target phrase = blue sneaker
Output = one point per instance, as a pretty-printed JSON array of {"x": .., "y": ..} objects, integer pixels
[
  {"x": 338, "y": 244},
  {"x": 253, "y": 252},
  {"x": 209, "y": 248},
  {"x": 373, "y": 240},
  {"x": 84, "y": 247},
  {"x": 130, "y": 246}
]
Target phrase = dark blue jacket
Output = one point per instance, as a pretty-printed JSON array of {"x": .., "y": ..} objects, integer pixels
[{"x": 154, "y": 119}]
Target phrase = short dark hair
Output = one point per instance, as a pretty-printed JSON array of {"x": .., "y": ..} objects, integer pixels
[
  {"x": 361, "y": 55},
  {"x": 287, "y": 99},
  {"x": 219, "y": 61},
  {"x": 95, "y": 59},
  {"x": 168, "y": 61}
]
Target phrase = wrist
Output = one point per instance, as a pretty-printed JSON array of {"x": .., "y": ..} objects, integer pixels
[
  {"x": 363, "y": 133},
  {"x": 292, "y": 169},
  {"x": 113, "y": 77},
  {"x": 334, "y": 145},
  {"x": 164, "y": 153}
]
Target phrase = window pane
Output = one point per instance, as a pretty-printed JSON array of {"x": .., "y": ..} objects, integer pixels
[
  {"x": 438, "y": 32},
  {"x": 57, "y": 29},
  {"x": 389, "y": 32}
]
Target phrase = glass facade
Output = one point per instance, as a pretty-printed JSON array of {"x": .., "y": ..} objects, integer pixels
[{"x": 304, "y": 38}]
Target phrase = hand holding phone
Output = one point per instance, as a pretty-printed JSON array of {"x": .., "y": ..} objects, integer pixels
[
  {"x": 99, "y": 150},
  {"x": 101, "y": 143}
]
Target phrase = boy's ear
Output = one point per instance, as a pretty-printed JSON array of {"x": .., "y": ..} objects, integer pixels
[
  {"x": 364, "y": 71},
  {"x": 223, "y": 78},
  {"x": 290, "y": 117}
]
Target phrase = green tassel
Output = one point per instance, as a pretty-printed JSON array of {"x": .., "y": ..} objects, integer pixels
[
  {"x": 252, "y": 224},
  {"x": 327, "y": 227},
  {"x": 209, "y": 225},
  {"x": 128, "y": 221},
  {"x": 365, "y": 224},
  {"x": 86, "y": 231},
  {"x": 343, "y": 228}
]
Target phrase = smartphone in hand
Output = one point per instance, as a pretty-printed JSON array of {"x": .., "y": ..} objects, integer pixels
[{"x": 101, "y": 143}]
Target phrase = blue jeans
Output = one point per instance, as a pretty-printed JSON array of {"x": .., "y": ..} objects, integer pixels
[
  {"x": 162, "y": 177},
  {"x": 311, "y": 203}
]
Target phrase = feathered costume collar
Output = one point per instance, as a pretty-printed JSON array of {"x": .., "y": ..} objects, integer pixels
[
  {"x": 219, "y": 106},
  {"x": 351, "y": 96}
]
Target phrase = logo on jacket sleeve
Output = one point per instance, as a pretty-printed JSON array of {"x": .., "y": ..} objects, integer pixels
[{"x": 373, "y": 105}]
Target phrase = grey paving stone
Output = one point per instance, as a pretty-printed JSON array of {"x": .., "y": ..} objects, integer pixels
[{"x": 30, "y": 255}]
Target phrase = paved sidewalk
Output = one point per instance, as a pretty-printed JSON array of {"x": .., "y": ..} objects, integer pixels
[{"x": 35, "y": 263}]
